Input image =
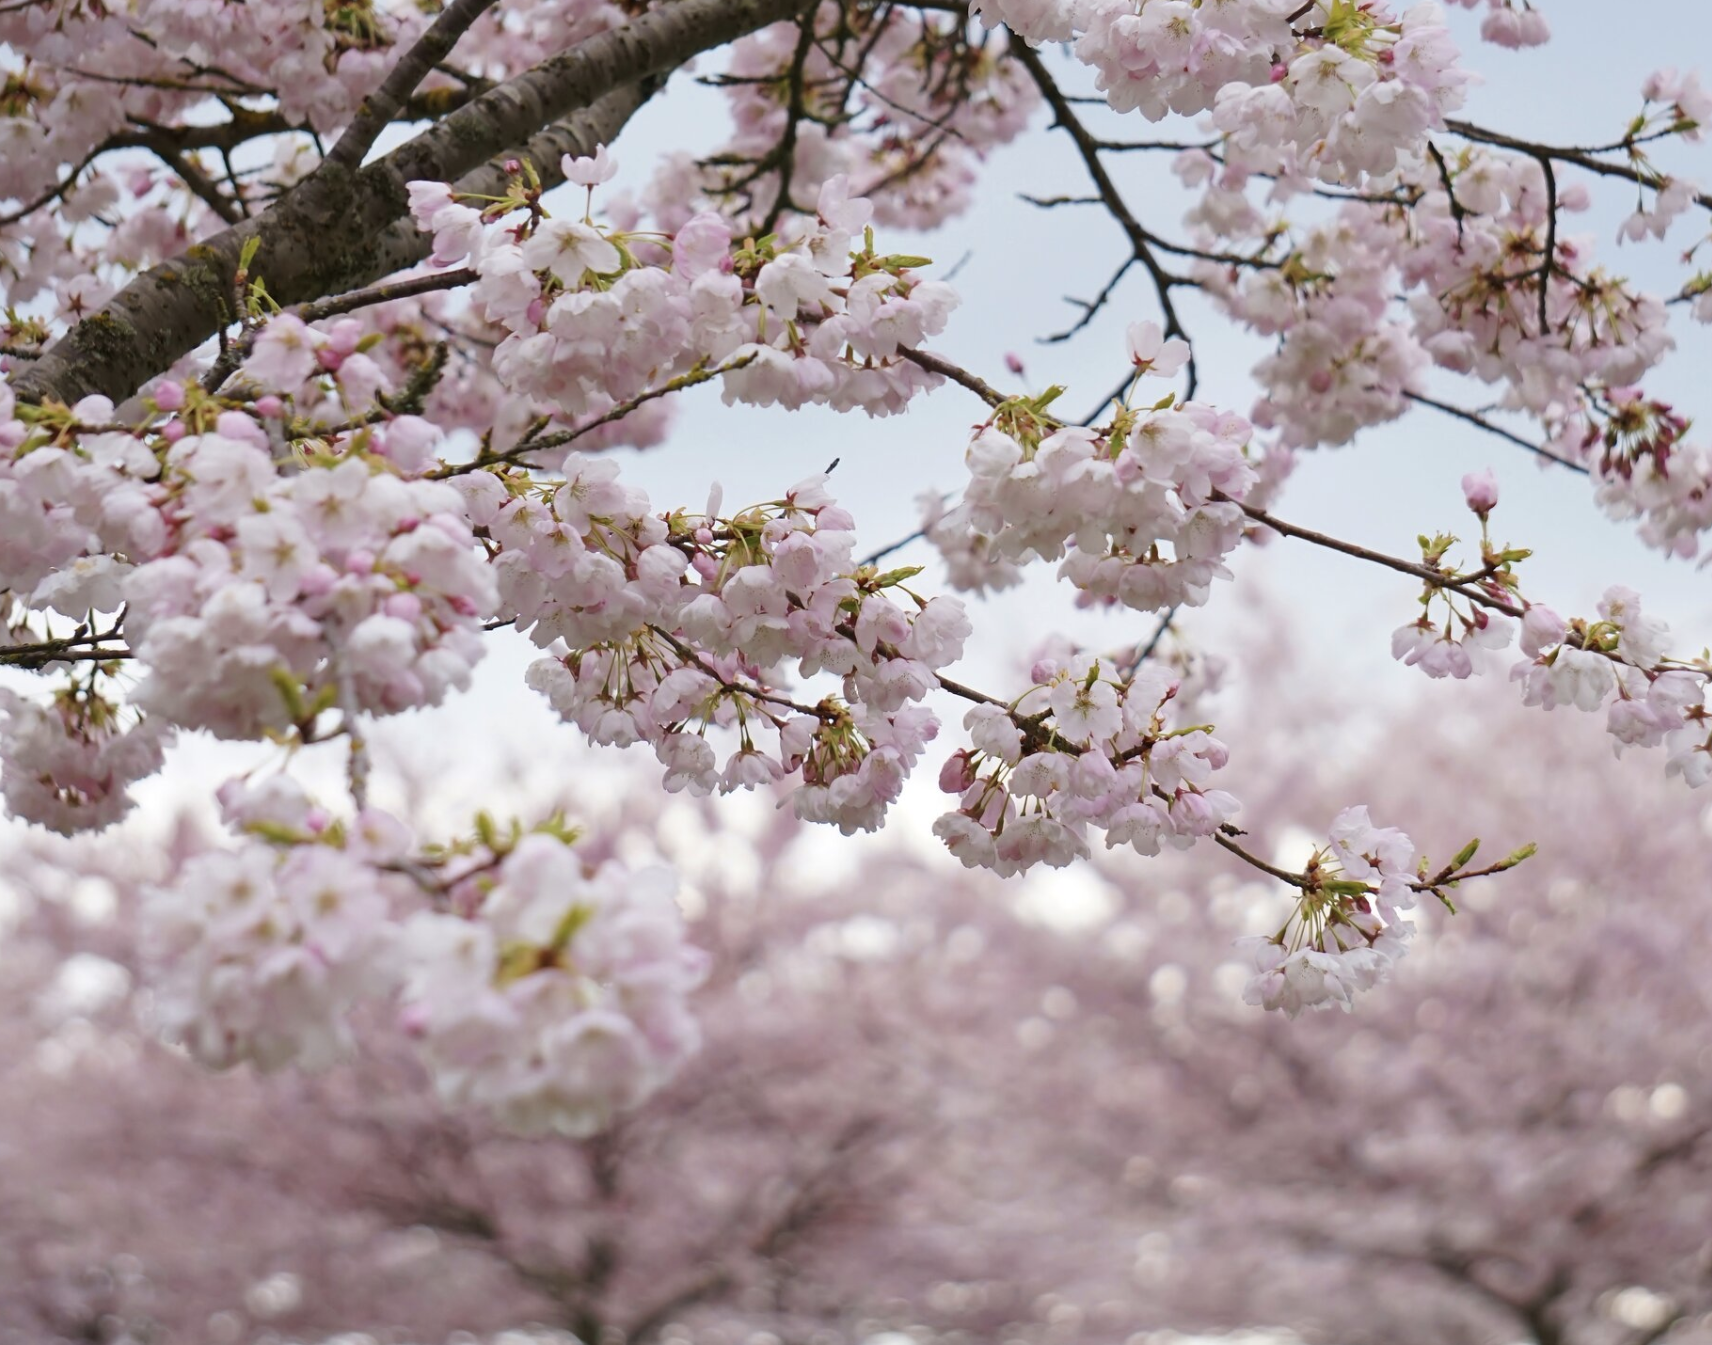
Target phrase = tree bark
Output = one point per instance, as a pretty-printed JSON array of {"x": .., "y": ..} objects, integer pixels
[{"x": 341, "y": 228}]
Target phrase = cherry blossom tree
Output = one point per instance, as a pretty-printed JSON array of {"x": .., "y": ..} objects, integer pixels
[
  {"x": 324, "y": 319},
  {"x": 921, "y": 1108}
]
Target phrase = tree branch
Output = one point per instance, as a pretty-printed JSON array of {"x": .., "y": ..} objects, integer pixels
[
  {"x": 1477, "y": 419},
  {"x": 334, "y": 231},
  {"x": 381, "y": 106},
  {"x": 1140, "y": 240}
]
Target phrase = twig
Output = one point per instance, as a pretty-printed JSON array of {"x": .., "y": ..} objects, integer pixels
[
  {"x": 1475, "y": 418},
  {"x": 956, "y": 373},
  {"x": 379, "y": 108}
]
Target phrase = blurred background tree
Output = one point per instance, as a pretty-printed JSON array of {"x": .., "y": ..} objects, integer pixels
[{"x": 935, "y": 1103}]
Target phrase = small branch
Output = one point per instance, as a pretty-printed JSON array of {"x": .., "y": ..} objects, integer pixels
[
  {"x": 1091, "y": 308},
  {"x": 381, "y": 106},
  {"x": 359, "y": 767},
  {"x": 1580, "y": 157},
  {"x": 1128, "y": 146},
  {"x": 1457, "y": 212},
  {"x": 1476, "y": 419},
  {"x": 935, "y": 364},
  {"x": 1128, "y": 667},
  {"x": 1462, "y": 584},
  {"x": 564, "y": 437},
  {"x": 785, "y": 152},
  {"x": 392, "y": 290},
  {"x": 1053, "y": 202},
  {"x": 1550, "y": 260},
  {"x": 200, "y": 184},
  {"x": 71, "y": 648},
  {"x": 1140, "y": 240}
]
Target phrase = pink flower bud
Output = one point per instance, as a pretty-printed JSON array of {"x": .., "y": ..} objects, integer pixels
[
  {"x": 1013, "y": 362},
  {"x": 955, "y": 775},
  {"x": 404, "y": 606},
  {"x": 169, "y": 396},
  {"x": 172, "y": 431},
  {"x": 347, "y": 333},
  {"x": 318, "y": 580},
  {"x": 270, "y": 407},
  {"x": 1480, "y": 489}
]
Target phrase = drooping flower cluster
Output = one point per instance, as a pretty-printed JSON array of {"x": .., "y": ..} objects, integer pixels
[
  {"x": 1348, "y": 928},
  {"x": 1511, "y": 23},
  {"x": 262, "y": 951},
  {"x": 69, "y": 765},
  {"x": 1621, "y": 664},
  {"x": 549, "y": 992},
  {"x": 1143, "y": 512},
  {"x": 1643, "y": 464},
  {"x": 559, "y": 998},
  {"x": 1465, "y": 238},
  {"x": 1088, "y": 745},
  {"x": 348, "y": 579},
  {"x": 680, "y": 624}
]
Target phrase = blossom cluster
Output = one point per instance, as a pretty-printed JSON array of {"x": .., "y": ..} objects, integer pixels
[
  {"x": 1511, "y": 23},
  {"x": 1086, "y": 746},
  {"x": 69, "y": 765},
  {"x": 1348, "y": 929},
  {"x": 261, "y": 952},
  {"x": 560, "y": 999},
  {"x": 1142, "y": 512},
  {"x": 1341, "y": 89},
  {"x": 680, "y": 624},
  {"x": 792, "y": 319},
  {"x": 549, "y": 992},
  {"x": 1564, "y": 340},
  {"x": 266, "y": 573},
  {"x": 1619, "y": 662},
  {"x": 279, "y": 588}
]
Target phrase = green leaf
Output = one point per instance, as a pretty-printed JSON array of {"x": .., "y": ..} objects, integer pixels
[{"x": 899, "y": 576}]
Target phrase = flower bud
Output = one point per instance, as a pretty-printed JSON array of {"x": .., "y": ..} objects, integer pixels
[{"x": 1480, "y": 489}]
